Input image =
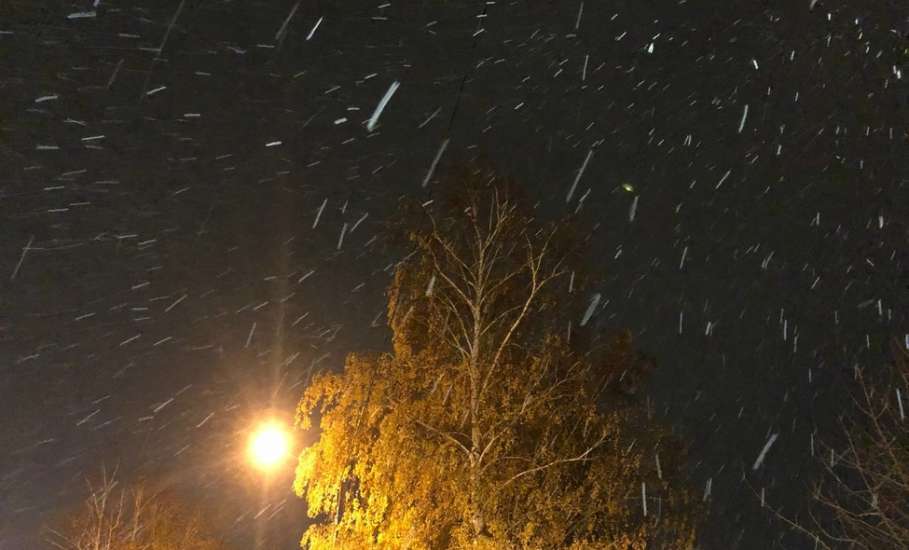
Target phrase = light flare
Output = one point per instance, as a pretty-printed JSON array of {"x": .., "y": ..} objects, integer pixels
[{"x": 269, "y": 446}]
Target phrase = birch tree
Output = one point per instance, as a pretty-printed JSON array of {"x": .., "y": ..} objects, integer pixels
[
  {"x": 113, "y": 517},
  {"x": 488, "y": 425}
]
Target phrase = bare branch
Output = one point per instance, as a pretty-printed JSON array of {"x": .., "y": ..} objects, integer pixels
[
  {"x": 579, "y": 458},
  {"x": 445, "y": 277}
]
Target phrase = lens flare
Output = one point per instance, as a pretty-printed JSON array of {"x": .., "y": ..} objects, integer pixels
[{"x": 269, "y": 446}]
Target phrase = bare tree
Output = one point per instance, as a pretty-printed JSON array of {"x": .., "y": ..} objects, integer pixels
[
  {"x": 862, "y": 499},
  {"x": 113, "y": 517}
]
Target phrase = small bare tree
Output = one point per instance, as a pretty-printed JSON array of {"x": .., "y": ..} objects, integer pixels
[
  {"x": 862, "y": 499},
  {"x": 113, "y": 517}
]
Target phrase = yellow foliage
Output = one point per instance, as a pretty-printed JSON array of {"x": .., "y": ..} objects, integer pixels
[{"x": 485, "y": 426}]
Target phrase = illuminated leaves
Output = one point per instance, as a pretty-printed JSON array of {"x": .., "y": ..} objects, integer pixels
[{"x": 486, "y": 426}]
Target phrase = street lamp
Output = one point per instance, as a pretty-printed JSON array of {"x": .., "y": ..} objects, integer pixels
[{"x": 269, "y": 446}]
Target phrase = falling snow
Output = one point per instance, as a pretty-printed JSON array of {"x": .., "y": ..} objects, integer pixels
[{"x": 194, "y": 218}]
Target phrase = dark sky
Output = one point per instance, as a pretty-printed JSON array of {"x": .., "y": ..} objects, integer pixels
[{"x": 192, "y": 212}]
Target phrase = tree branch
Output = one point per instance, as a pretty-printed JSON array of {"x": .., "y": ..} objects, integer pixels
[
  {"x": 580, "y": 458},
  {"x": 444, "y": 434}
]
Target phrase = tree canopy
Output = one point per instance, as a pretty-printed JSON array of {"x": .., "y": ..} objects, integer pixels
[
  {"x": 495, "y": 421},
  {"x": 114, "y": 517}
]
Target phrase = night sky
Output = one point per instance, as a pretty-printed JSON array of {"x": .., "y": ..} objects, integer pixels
[{"x": 194, "y": 213}]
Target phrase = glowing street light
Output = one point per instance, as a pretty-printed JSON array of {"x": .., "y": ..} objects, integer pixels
[{"x": 269, "y": 446}]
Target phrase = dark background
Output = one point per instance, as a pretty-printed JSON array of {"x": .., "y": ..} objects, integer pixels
[{"x": 188, "y": 231}]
